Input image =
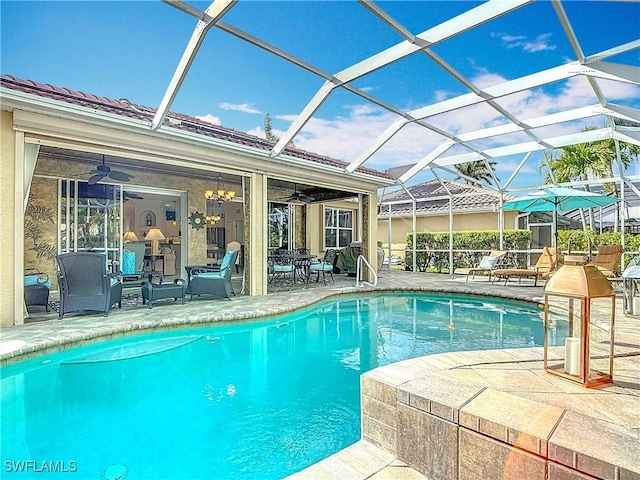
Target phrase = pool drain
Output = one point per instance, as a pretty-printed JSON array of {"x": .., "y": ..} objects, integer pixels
[{"x": 117, "y": 471}]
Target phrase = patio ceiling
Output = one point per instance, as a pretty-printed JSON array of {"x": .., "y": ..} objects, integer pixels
[
  {"x": 279, "y": 188},
  {"x": 509, "y": 136}
]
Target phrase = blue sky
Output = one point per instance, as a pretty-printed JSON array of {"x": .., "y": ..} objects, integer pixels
[{"x": 126, "y": 49}]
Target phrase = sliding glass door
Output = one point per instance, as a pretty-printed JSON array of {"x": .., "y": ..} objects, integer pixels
[
  {"x": 90, "y": 218},
  {"x": 280, "y": 222}
]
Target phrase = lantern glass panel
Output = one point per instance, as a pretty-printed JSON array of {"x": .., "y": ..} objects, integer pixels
[{"x": 564, "y": 355}]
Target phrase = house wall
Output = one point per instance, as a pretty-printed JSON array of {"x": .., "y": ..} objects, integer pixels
[
  {"x": 40, "y": 231},
  {"x": 438, "y": 223},
  {"x": 10, "y": 186},
  {"x": 315, "y": 223},
  {"x": 87, "y": 131}
]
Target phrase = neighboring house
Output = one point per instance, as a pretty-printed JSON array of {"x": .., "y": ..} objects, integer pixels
[
  {"x": 55, "y": 139},
  {"x": 473, "y": 208}
]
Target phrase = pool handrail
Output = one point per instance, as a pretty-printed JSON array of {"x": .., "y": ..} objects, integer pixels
[{"x": 359, "y": 269}]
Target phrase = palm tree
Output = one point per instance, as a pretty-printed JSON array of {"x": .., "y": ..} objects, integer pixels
[
  {"x": 482, "y": 171},
  {"x": 585, "y": 161}
]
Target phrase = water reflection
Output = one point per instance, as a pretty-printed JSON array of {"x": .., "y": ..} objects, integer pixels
[{"x": 259, "y": 400}]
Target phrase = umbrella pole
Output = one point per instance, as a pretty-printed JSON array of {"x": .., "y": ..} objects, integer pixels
[{"x": 555, "y": 226}]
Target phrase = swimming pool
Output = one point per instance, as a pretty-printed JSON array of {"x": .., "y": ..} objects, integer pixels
[{"x": 257, "y": 400}]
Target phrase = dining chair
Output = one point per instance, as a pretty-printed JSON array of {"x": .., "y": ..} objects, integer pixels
[
  {"x": 281, "y": 265},
  {"x": 324, "y": 266}
]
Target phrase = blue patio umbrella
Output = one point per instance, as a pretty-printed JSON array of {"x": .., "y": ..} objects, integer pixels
[{"x": 558, "y": 199}]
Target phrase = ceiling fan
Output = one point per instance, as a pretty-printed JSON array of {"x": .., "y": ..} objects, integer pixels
[
  {"x": 297, "y": 196},
  {"x": 104, "y": 170}
]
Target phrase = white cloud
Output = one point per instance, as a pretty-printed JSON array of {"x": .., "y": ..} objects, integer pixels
[
  {"x": 258, "y": 132},
  {"x": 356, "y": 129},
  {"x": 209, "y": 119},
  {"x": 539, "y": 44},
  {"x": 240, "y": 107}
]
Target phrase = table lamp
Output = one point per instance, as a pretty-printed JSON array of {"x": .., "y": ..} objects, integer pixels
[
  {"x": 130, "y": 236},
  {"x": 154, "y": 235}
]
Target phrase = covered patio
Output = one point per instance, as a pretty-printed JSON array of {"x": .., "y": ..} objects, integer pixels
[{"x": 58, "y": 134}]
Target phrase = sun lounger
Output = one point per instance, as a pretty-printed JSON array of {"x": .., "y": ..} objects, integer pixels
[
  {"x": 608, "y": 260},
  {"x": 488, "y": 263},
  {"x": 544, "y": 268}
]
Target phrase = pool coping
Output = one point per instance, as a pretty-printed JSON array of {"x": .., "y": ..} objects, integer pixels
[{"x": 22, "y": 342}]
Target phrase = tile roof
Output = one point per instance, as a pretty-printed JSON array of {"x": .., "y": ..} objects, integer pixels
[
  {"x": 180, "y": 121},
  {"x": 465, "y": 198}
]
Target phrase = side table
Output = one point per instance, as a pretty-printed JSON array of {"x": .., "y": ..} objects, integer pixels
[{"x": 157, "y": 291}]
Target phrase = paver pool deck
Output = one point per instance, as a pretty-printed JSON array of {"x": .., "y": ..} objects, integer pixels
[{"x": 496, "y": 414}]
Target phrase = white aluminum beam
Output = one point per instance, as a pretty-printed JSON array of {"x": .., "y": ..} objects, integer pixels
[
  {"x": 439, "y": 150},
  {"x": 612, "y": 52},
  {"x": 536, "y": 122},
  {"x": 212, "y": 14},
  {"x": 614, "y": 71},
  {"x": 537, "y": 79},
  {"x": 521, "y": 148},
  {"x": 568, "y": 30},
  {"x": 465, "y": 21},
  {"x": 375, "y": 146},
  {"x": 628, "y": 137}
]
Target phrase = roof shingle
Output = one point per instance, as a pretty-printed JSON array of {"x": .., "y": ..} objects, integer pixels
[
  {"x": 464, "y": 198},
  {"x": 126, "y": 108}
]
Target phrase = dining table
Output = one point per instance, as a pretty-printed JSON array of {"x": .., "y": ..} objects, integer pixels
[{"x": 300, "y": 262}]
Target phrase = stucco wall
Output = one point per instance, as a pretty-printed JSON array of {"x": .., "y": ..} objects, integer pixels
[
  {"x": 194, "y": 187},
  {"x": 440, "y": 223},
  {"x": 40, "y": 231},
  {"x": 8, "y": 184}
]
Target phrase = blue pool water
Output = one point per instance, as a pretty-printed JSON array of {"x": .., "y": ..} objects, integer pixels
[{"x": 257, "y": 400}]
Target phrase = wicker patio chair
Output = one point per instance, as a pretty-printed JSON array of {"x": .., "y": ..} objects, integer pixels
[
  {"x": 36, "y": 288},
  {"x": 86, "y": 285},
  {"x": 203, "y": 280}
]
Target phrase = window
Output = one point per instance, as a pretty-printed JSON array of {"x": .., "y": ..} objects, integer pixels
[{"x": 338, "y": 228}]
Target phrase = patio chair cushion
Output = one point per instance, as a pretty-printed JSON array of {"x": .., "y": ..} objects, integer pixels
[
  {"x": 36, "y": 279},
  {"x": 128, "y": 262},
  {"x": 283, "y": 268},
  {"x": 211, "y": 275},
  {"x": 226, "y": 260},
  {"x": 320, "y": 267},
  {"x": 488, "y": 262}
]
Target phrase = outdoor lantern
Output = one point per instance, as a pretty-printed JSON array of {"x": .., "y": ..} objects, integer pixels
[
  {"x": 631, "y": 286},
  {"x": 586, "y": 355}
]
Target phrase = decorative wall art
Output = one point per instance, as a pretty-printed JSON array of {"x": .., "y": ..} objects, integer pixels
[{"x": 197, "y": 220}]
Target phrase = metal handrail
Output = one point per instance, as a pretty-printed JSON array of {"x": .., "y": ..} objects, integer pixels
[{"x": 359, "y": 268}]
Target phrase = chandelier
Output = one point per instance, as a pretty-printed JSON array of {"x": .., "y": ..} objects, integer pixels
[
  {"x": 220, "y": 195},
  {"x": 213, "y": 219}
]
